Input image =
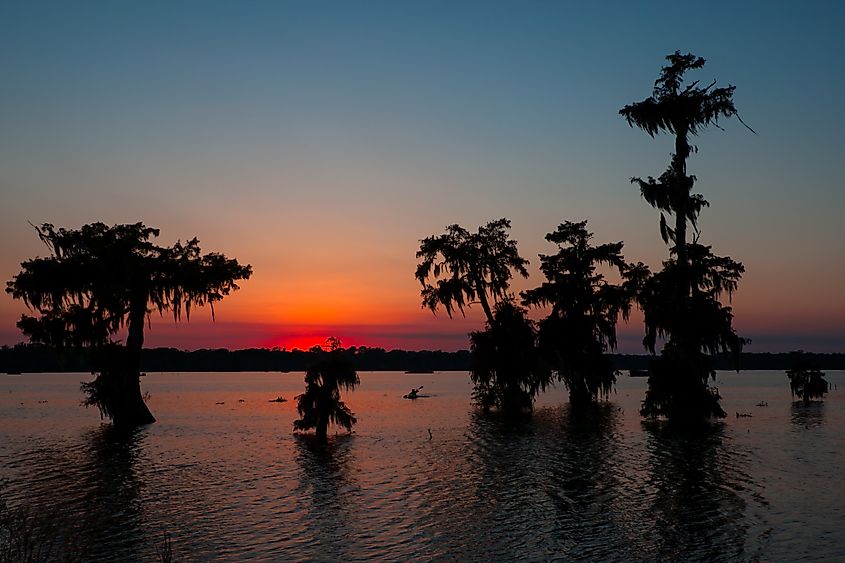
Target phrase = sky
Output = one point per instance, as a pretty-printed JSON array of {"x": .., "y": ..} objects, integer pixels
[{"x": 320, "y": 141}]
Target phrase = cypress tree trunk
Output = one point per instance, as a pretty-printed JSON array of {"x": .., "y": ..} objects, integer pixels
[
  {"x": 682, "y": 150},
  {"x": 482, "y": 298},
  {"x": 322, "y": 429},
  {"x": 691, "y": 393},
  {"x": 578, "y": 392},
  {"x": 129, "y": 406}
]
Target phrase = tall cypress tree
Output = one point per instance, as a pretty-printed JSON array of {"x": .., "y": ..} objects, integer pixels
[{"x": 681, "y": 302}]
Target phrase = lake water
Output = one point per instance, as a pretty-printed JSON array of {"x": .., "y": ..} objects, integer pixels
[{"x": 231, "y": 481}]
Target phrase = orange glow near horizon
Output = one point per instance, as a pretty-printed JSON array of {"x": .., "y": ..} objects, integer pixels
[
  {"x": 307, "y": 340},
  {"x": 374, "y": 302}
]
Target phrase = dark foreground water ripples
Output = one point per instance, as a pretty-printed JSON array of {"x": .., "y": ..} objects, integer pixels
[{"x": 231, "y": 481}]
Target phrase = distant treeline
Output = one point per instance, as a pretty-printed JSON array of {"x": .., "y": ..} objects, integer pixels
[{"x": 30, "y": 358}]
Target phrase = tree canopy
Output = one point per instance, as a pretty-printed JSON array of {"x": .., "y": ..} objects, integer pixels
[
  {"x": 321, "y": 404},
  {"x": 707, "y": 322},
  {"x": 677, "y": 108},
  {"x": 584, "y": 308},
  {"x": 459, "y": 267},
  {"x": 97, "y": 275},
  {"x": 681, "y": 303},
  {"x": 682, "y": 110},
  {"x": 806, "y": 380},
  {"x": 99, "y": 280}
]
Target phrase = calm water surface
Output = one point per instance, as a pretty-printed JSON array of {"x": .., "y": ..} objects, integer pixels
[{"x": 231, "y": 481}]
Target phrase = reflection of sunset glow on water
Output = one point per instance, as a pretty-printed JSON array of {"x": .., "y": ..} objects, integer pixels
[{"x": 223, "y": 475}]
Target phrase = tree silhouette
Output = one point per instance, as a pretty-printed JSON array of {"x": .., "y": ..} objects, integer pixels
[
  {"x": 99, "y": 280},
  {"x": 321, "y": 404},
  {"x": 467, "y": 266},
  {"x": 688, "y": 288},
  {"x": 806, "y": 380},
  {"x": 678, "y": 379},
  {"x": 682, "y": 111},
  {"x": 505, "y": 368},
  {"x": 581, "y": 326}
]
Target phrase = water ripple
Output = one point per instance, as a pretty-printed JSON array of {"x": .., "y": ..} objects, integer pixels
[{"x": 591, "y": 484}]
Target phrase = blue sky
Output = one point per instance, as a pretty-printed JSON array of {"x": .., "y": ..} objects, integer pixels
[{"x": 319, "y": 141}]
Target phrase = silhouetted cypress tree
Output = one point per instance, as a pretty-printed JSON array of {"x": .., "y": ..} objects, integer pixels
[
  {"x": 459, "y": 268},
  {"x": 466, "y": 266},
  {"x": 321, "y": 404},
  {"x": 806, "y": 380},
  {"x": 99, "y": 280},
  {"x": 681, "y": 302},
  {"x": 581, "y": 326},
  {"x": 505, "y": 368}
]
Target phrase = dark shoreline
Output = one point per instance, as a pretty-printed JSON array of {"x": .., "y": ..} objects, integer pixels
[{"x": 33, "y": 359}]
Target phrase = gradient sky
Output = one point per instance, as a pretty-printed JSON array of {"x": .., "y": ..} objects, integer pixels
[{"x": 319, "y": 141}]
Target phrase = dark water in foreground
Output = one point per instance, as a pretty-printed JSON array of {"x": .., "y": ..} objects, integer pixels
[{"x": 231, "y": 481}]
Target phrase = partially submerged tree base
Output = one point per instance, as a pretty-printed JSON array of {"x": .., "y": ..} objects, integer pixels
[
  {"x": 806, "y": 380},
  {"x": 321, "y": 404},
  {"x": 697, "y": 329},
  {"x": 581, "y": 327},
  {"x": 678, "y": 390},
  {"x": 118, "y": 397},
  {"x": 505, "y": 367}
]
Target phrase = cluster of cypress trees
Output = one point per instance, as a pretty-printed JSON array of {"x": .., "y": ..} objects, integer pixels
[
  {"x": 515, "y": 358},
  {"x": 100, "y": 279}
]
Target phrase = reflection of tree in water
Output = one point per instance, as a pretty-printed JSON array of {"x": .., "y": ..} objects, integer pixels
[
  {"x": 324, "y": 479},
  {"x": 585, "y": 486},
  {"x": 509, "y": 506},
  {"x": 112, "y": 504},
  {"x": 546, "y": 483},
  {"x": 91, "y": 495},
  {"x": 695, "y": 497},
  {"x": 809, "y": 415}
]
